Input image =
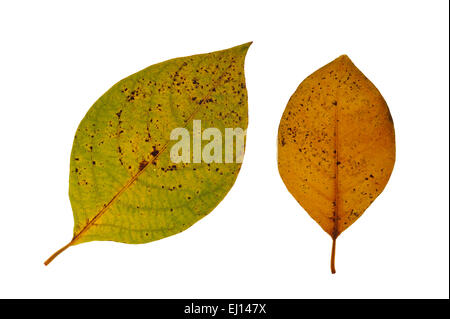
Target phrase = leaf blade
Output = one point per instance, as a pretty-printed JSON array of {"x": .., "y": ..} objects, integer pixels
[
  {"x": 336, "y": 145},
  {"x": 123, "y": 186}
]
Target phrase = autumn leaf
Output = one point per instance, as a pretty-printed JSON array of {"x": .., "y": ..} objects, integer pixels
[
  {"x": 336, "y": 146},
  {"x": 124, "y": 185}
]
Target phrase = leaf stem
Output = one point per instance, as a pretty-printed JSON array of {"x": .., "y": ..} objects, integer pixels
[
  {"x": 50, "y": 259},
  {"x": 333, "y": 255}
]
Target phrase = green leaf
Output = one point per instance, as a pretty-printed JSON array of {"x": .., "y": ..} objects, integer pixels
[{"x": 123, "y": 183}]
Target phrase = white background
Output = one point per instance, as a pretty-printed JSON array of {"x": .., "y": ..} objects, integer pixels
[{"x": 57, "y": 58}]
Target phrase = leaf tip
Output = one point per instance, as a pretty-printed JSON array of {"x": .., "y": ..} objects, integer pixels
[
  {"x": 245, "y": 46},
  {"x": 239, "y": 50},
  {"x": 344, "y": 59}
]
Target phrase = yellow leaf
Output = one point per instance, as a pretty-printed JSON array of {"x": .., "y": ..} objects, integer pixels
[
  {"x": 125, "y": 185},
  {"x": 336, "y": 146}
]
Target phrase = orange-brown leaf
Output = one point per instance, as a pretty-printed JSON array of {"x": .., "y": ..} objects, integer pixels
[{"x": 336, "y": 145}]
